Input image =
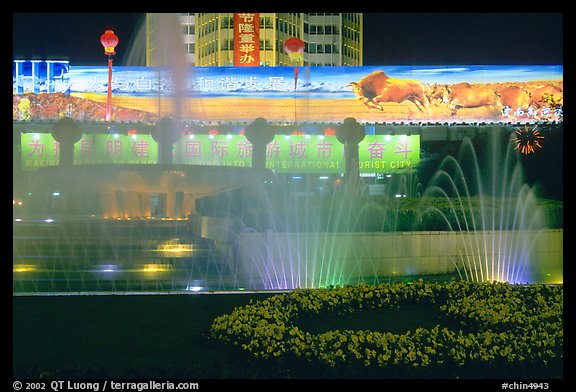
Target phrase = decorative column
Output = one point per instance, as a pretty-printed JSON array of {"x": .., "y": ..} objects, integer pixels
[
  {"x": 66, "y": 132},
  {"x": 165, "y": 134},
  {"x": 350, "y": 133},
  {"x": 259, "y": 133}
]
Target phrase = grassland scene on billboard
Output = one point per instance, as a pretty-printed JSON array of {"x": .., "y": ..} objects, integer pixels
[{"x": 370, "y": 94}]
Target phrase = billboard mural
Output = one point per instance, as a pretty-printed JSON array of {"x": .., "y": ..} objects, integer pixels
[
  {"x": 285, "y": 154},
  {"x": 40, "y": 76},
  {"x": 370, "y": 94}
]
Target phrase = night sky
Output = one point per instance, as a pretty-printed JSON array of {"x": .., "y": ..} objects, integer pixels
[{"x": 390, "y": 38}]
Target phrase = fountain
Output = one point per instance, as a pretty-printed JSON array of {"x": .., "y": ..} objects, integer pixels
[
  {"x": 503, "y": 240},
  {"x": 124, "y": 227},
  {"x": 477, "y": 219},
  {"x": 170, "y": 227},
  {"x": 174, "y": 227}
]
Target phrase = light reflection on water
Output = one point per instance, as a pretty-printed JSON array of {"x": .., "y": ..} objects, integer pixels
[
  {"x": 101, "y": 255},
  {"x": 49, "y": 275}
]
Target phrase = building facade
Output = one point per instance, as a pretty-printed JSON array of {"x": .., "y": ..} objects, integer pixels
[{"x": 331, "y": 39}]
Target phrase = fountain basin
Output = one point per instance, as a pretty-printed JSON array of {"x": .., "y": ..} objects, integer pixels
[{"x": 312, "y": 260}]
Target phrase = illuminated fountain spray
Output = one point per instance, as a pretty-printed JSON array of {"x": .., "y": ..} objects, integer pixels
[
  {"x": 169, "y": 57},
  {"x": 478, "y": 219},
  {"x": 313, "y": 241},
  {"x": 502, "y": 241}
]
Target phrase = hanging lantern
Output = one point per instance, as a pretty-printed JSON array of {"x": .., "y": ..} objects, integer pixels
[
  {"x": 294, "y": 47},
  {"x": 109, "y": 40}
]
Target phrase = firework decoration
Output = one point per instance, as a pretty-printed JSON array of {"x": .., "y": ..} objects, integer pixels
[{"x": 527, "y": 140}]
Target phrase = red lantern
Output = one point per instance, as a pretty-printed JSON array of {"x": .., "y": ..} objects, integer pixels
[
  {"x": 294, "y": 47},
  {"x": 109, "y": 40}
]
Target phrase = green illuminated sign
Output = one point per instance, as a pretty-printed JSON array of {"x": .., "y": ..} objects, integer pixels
[
  {"x": 285, "y": 154},
  {"x": 40, "y": 150},
  {"x": 209, "y": 150},
  {"x": 305, "y": 154},
  {"x": 388, "y": 153},
  {"x": 114, "y": 148},
  {"x": 302, "y": 154}
]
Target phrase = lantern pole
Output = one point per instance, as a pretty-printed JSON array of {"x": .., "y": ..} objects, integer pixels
[
  {"x": 109, "y": 97},
  {"x": 109, "y": 40},
  {"x": 294, "y": 48}
]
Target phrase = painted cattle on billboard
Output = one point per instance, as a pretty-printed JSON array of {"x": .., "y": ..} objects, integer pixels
[
  {"x": 405, "y": 93},
  {"x": 377, "y": 88},
  {"x": 466, "y": 96},
  {"x": 514, "y": 97},
  {"x": 547, "y": 95}
]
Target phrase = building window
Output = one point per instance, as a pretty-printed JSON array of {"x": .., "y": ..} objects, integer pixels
[
  {"x": 227, "y": 44},
  {"x": 227, "y": 22},
  {"x": 266, "y": 23}
]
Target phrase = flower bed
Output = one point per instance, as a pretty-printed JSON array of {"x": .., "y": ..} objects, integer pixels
[{"x": 489, "y": 324}]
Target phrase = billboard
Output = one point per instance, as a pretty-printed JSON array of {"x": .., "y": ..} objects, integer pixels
[
  {"x": 302, "y": 154},
  {"x": 370, "y": 94},
  {"x": 40, "y": 76}
]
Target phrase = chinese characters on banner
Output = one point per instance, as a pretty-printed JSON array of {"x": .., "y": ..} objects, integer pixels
[
  {"x": 246, "y": 39},
  {"x": 519, "y": 93},
  {"x": 285, "y": 154},
  {"x": 40, "y": 150},
  {"x": 388, "y": 153},
  {"x": 40, "y": 76}
]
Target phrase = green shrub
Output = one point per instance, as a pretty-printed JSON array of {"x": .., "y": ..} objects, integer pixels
[{"x": 489, "y": 324}]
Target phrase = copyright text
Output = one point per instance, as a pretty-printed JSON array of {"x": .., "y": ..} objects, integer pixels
[{"x": 98, "y": 386}]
